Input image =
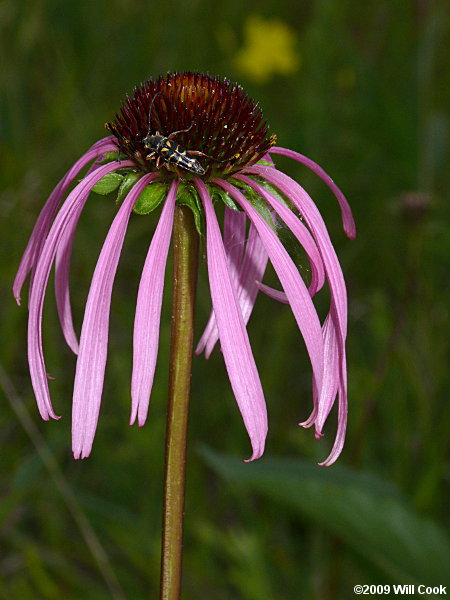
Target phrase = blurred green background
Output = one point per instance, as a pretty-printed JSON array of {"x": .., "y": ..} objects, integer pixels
[{"x": 361, "y": 88}]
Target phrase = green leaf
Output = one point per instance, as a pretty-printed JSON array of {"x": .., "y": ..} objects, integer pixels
[
  {"x": 108, "y": 183},
  {"x": 364, "y": 511},
  {"x": 128, "y": 181},
  {"x": 222, "y": 195},
  {"x": 187, "y": 195},
  {"x": 151, "y": 197}
]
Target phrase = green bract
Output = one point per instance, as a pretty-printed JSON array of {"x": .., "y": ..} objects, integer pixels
[
  {"x": 128, "y": 181},
  {"x": 108, "y": 184},
  {"x": 188, "y": 196},
  {"x": 151, "y": 197}
]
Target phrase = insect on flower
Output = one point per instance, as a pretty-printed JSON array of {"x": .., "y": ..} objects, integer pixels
[{"x": 168, "y": 151}]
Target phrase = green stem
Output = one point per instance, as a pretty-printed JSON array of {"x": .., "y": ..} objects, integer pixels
[{"x": 185, "y": 266}]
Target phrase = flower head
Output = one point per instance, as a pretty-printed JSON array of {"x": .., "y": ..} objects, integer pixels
[
  {"x": 210, "y": 115},
  {"x": 196, "y": 140}
]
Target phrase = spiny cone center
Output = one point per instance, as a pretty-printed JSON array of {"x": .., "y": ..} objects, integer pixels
[{"x": 216, "y": 121}]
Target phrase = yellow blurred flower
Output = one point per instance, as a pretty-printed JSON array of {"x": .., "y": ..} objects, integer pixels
[{"x": 269, "y": 49}]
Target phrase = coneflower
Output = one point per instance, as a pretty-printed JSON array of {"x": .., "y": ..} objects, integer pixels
[
  {"x": 191, "y": 139},
  {"x": 190, "y": 142}
]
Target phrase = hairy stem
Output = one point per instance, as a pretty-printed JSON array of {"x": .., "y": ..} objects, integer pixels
[{"x": 185, "y": 266}]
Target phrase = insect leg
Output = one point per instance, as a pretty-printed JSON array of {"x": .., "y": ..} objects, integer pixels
[{"x": 178, "y": 172}]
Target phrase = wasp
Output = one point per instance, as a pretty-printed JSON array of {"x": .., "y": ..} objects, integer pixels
[{"x": 165, "y": 150}]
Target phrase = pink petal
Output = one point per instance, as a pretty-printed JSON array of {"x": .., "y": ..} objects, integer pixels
[
  {"x": 234, "y": 340},
  {"x": 333, "y": 272},
  {"x": 273, "y": 293},
  {"x": 251, "y": 270},
  {"x": 341, "y": 430},
  {"x": 281, "y": 297},
  {"x": 43, "y": 223},
  {"x": 294, "y": 286},
  {"x": 268, "y": 158},
  {"x": 314, "y": 220},
  {"x": 331, "y": 379},
  {"x": 62, "y": 292},
  {"x": 91, "y": 361},
  {"x": 338, "y": 358},
  {"x": 298, "y": 229},
  {"x": 347, "y": 217},
  {"x": 148, "y": 311},
  {"x": 234, "y": 225},
  {"x": 74, "y": 202},
  {"x": 234, "y": 240},
  {"x": 62, "y": 270}
]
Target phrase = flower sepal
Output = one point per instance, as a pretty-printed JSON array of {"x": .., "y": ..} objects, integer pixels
[
  {"x": 151, "y": 197},
  {"x": 127, "y": 183},
  {"x": 107, "y": 184},
  {"x": 222, "y": 195},
  {"x": 187, "y": 195}
]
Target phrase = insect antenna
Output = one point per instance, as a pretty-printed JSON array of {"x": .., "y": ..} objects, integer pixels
[{"x": 150, "y": 110}]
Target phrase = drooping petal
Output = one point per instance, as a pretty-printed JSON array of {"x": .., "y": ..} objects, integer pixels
[
  {"x": 91, "y": 361},
  {"x": 331, "y": 378},
  {"x": 74, "y": 202},
  {"x": 45, "y": 219},
  {"x": 234, "y": 225},
  {"x": 148, "y": 311},
  {"x": 62, "y": 271},
  {"x": 347, "y": 216},
  {"x": 251, "y": 270},
  {"x": 342, "y": 425},
  {"x": 62, "y": 293},
  {"x": 273, "y": 293},
  {"x": 298, "y": 229},
  {"x": 102, "y": 156},
  {"x": 320, "y": 396},
  {"x": 233, "y": 240},
  {"x": 294, "y": 286},
  {"x": 234, "y": 340},
  {"x": 333, "y": 271},
  {"x": 302, "y": 201},
  {"x": 282, "y": 297}
]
